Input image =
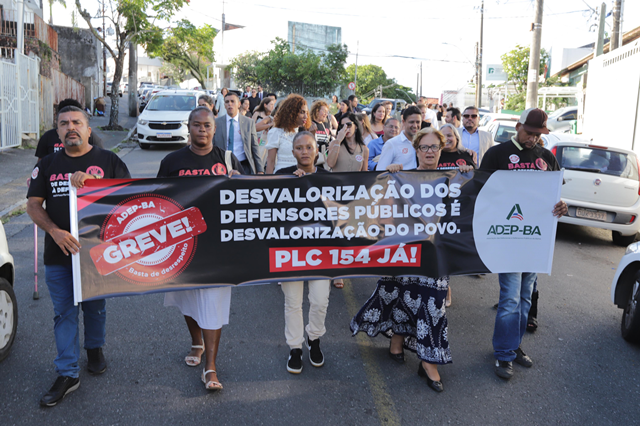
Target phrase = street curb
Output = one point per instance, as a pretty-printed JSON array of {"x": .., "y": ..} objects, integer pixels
[{"x": 17, "y": 206}]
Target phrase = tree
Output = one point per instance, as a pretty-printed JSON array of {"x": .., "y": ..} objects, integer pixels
[
  {"x": 51, "y": 2},
  {"x": 244, "y": 66},
  {"x": 516, "y": 65},
  {"x": 370, "y": 78},
  {"x": 174, "y": 73},
  {"x": 134, "y": 20},
  {"x": 188, "y": 48}
]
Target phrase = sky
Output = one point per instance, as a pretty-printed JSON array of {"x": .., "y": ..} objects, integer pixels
[{"x": 439, "y": 34}]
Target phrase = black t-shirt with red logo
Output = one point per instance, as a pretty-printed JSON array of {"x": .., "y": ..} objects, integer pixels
[
  {"x": 507, "y": 156},
  {"x": 455, "y": 159},
  {"x": 50, "y": 142},
  {"x": 50, "y": 180},
  {"x": 185, "y": 162}
]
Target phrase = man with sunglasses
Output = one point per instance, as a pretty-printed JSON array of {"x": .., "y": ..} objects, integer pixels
[
  {"x": 472, "y": 138},
  {"x": 522, "y": 153}
]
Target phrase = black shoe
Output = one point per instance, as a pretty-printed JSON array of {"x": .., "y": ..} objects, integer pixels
[
  {"x": 97, "y": 364},
  {"x": 61, "y": 387},
  {"x": 315, "y": 354},
  {"x": 294, "y": 365},
  {"x": 435, "y": 385},
  {"x": 399, "y": 358},
  {"x": 504, "y": 369},
  {"x": 523, "y": 359}
]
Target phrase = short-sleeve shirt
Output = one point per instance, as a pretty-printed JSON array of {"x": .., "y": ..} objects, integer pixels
[
  {"x": 50, "y": 142},
  {"x": 455, "y": 159},
  {"x": 50, "y": 180},
  {"x": 185, "y": 162},
  {"x": 513, "y": 156},
  {"x": 398, "y": 150},
  {"x": 283, "y": 142}
]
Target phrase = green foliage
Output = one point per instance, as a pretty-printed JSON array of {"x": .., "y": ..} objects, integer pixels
[
  {"x": 370, "y": 77},
  {"x": 280, "y": 69},
  {"x": 187, "y": 47},
  {"x": 516, "y": 65}
]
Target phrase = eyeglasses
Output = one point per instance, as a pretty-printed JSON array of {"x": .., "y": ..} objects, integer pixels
[
  {"x": 470, "y": 115},
  {"x": 427, "y": 148}
]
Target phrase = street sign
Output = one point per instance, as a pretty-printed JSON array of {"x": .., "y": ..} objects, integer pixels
[
  {"x": 495, "y": 72},
  {"x": 352, "y": 86}
]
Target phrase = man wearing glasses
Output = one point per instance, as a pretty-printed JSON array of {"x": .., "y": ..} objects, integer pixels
[{"x": 472, "y": 138}]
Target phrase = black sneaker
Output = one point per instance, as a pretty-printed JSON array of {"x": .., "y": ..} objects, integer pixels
[
  {"x": 315, "y": 354},
  {"x": 61, "y": 387},
  {"x": 294, "y": 365},
  {"x": 97, "y": 364},
  {"x": 504, "y": 369},
  {"x": 523, "y": 359}
]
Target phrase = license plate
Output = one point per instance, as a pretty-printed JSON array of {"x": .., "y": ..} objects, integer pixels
[
  {"x": 163, "y": 135},
  {"x": 591, "y": 214}
]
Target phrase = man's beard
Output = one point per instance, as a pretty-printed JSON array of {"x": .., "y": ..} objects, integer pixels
[{"x": 73, "y": 143}]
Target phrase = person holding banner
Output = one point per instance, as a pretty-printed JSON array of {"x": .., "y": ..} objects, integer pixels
[
  {"x": 305, "y": 151},
  {"x": 50, "y": 181},
  {"x": 205, "y": 310},
  {"x": 292, "y": 114},
  {"x": 411, "y": 310},
  {"x": 523, "y": 153}
]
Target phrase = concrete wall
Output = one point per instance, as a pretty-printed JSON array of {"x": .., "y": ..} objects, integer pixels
[{"x": 314, "y": 37}]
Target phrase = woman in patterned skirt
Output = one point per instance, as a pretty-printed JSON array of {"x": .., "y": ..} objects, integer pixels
[{"x": 411, "y": 310}]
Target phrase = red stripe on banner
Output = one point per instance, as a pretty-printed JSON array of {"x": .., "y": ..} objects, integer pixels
[
  {"x": 88, "y": 199},
  {"x": 126, "y": 249},
  {"x": 93, "y": 184},
  {"x": 317, "y": 258}
]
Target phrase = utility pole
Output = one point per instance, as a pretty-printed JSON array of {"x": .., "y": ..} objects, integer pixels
[
  {"x": 615, "y": 36},
  {"x": 477, "y": 76},
  {"x": 355, "y": 78},
  {"x": 104, "y": 53},
  {"x": 534, "y": 58},
  {"x": 420, "y": 78},
  {"x": 133, "y": 80},
  {"x": 600, "y": 39},
  {"x": 293, "y": 37},
  {"x": 479, "y": 60}
]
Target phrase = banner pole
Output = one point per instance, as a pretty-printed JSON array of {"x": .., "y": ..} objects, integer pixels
[
  {"x": 554, "y": 226},
  {"x": 75, "y": 258}
]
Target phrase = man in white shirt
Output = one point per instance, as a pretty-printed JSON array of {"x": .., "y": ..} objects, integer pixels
[
  {"x": 472, "y": 138},
  {"x": 237, "y": 133},
  {"x": 399, "y": 150},
  {"x": 430, "y": 114}
]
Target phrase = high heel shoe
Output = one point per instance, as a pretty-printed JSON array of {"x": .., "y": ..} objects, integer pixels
[
  {"x": 399, "y": 358},
  {"x": 435, "y": 385}
]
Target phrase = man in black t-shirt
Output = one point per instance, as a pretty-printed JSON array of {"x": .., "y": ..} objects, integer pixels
[
  {"x": 50, "y": 180},
  {"x": 523, "y": 153},
  {"x": 50, "y": 141}
]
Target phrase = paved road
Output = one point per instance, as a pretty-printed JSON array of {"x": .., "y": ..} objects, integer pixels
[{"x": 584, "y": 372}]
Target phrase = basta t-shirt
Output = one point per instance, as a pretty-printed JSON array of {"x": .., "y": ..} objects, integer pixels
[
  {"x": 455, "y": 159},
  {"x": 185, "y": 162},
  {"x": 290, "y": 170},
  {"x": 507, "y": 156},
  {"x": 50, "y": 142},
  {"x": 50, "y": 180}
]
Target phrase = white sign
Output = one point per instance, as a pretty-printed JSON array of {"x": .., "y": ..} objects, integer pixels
[{"x": 495, "y": 72}]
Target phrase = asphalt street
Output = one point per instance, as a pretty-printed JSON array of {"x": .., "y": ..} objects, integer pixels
[{"x": 584, "y": 372}]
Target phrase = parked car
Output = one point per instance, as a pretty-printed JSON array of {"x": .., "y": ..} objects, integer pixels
[
  {"x": 8, "y": 305},
  {"x": 602, "y": 186},
  {"x": 109, "y": 85},
  {"x": 144, "y": 85},
  {"x": 562, "y": 120},
  {"x": 625, "y": 293},
  {"x": 502, "y": 131},
  {"x": 148, "y": 95},
  {"x": 164, "y": 120},
  {"x": 488, "y": 119}
]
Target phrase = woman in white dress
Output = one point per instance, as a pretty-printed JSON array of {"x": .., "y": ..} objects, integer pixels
[{"x": 292, "y": 114}]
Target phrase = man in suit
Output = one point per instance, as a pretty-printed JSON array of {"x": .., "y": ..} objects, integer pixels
[
  {"x": 472, "y": 138},
  {"x": 237, "y": 133},
  {"x": 261, "y": 94}
]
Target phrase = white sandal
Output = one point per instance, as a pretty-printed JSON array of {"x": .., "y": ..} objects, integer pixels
[
  {"x": 194, "y": 361},
  {"x": 210, "y": 385}
]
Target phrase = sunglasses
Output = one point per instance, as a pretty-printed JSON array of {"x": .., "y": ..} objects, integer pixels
[
  {"x": 470, "y": 115},
  {"x": 349, "y": 124}
]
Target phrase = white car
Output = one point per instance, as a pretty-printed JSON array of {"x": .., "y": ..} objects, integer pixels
[
  {"x": 488, "y": 119},
  {"x": 502, "y": 131},
  {"x": 625, "y": 293},
  {"x": 562, "y": 120},
  {"x": 164, "y": 119},
  {"x": 601, "y": 187},
  {"x": 8, "y": 306}
]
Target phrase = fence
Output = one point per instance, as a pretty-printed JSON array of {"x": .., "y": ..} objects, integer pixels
[
  {"x": 46, "y": 102},
  {"x": 34, "y": 27},
  {"x": 9, "y": 114},
  {"x": 65, "y": 87},
  {"x": 29, "y": 90}
]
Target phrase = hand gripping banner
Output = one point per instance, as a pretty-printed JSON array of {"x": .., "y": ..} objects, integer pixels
[{"x": 149, "y": 235}]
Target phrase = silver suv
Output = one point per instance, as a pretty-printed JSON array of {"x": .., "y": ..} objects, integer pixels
[{"x": 8, "y": 306}]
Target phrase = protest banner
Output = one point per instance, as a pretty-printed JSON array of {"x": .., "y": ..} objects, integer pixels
[{"x": 148, "y": 235}]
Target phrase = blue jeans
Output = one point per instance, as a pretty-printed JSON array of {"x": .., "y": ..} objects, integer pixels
[
  {"x": 59, "y": 280},
  {"x": 513, "y": 309}
]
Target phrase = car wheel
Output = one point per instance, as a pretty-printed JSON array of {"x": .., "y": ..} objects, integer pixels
[
  {"x": 622, "y": 240},
  {"x": 630, "y": 326},
  {"x": 8, "y": 318},
  {"x": 144, "y": 145}
]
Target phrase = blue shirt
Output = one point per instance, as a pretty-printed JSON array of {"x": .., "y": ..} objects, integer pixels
[
  {"x": 375, "y": 149},
  {"x": 471, "y": 141}
]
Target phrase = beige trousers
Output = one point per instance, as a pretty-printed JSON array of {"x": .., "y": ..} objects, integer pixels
[{"x": 318, "y": 303}]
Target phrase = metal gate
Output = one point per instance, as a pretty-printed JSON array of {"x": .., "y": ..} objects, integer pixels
[{"x": 19, "y": 108}]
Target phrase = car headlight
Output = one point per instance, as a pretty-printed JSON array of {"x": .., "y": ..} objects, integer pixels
[
  {"x": 142, "y": 122},
  {"x": 185, "y": 122},
  {"x": 633, "y": 248}
]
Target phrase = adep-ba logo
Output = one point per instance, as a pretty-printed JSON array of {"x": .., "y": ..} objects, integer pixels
[{"x": 514, "y": 230}]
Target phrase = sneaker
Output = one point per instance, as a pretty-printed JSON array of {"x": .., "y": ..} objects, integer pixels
[
  {"x": 523, "y": 359},
  {"x": 61, "y": 387},
  {"x": 96, "y": 362},
  {"x": 294, "y": 365},
  {"x": 504, "y": 369},
  {"x": 315, "y": 354}
]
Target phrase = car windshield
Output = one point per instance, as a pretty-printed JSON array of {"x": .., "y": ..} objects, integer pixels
[
  {"x": 374, "y": 103},
  {"x": 172, "y": 103},
  {"x": 598, "y": 161},
  {"x": 558, "y": 112},
  {"x": 505, "y": 133}
]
